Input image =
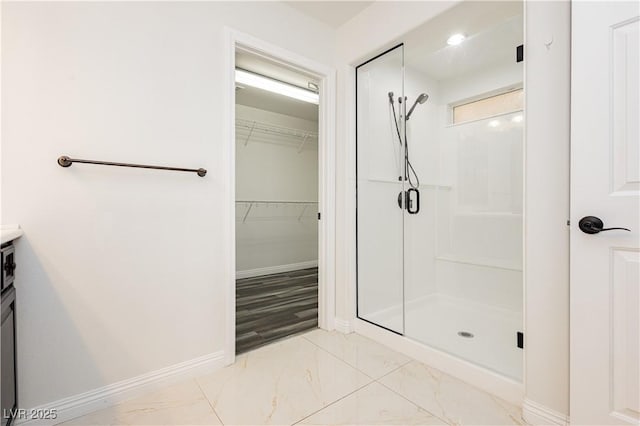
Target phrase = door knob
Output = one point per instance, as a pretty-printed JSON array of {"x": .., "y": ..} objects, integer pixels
[{"x": 593, "y": 225}]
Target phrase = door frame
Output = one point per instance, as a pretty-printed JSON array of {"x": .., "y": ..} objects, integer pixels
[{"x": 236, "y": 40}]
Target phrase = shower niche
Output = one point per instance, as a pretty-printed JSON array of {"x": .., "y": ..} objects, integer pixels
[{"x": 439, "y": 152}]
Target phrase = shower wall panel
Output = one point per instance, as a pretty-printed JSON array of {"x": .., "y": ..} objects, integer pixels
[{"x": 420, "y": 229}]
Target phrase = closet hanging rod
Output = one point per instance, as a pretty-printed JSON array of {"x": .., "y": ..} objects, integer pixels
[
  {"x": 65, "y": 161},
  {"x": 275, "y": 202}
]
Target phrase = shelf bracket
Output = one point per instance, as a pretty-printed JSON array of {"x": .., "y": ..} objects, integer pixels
[
  {"x": 302, "y": 213},
  {"x": 246, "y": 141},
  {"x": 304, "y": 140},
  {"x": 244, "y": 219}
]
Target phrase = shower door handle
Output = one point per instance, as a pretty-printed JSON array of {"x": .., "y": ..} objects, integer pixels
[
  {"x": 594, "y": 225},
  {"x": 410, "y": 201}
]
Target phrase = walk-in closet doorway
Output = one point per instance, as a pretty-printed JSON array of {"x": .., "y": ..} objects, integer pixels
[{"x": 281, "y": 187}]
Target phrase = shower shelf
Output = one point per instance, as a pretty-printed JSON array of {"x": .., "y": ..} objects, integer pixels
[
  {"x": 396, "y": 182},
  {"x": 478, "y": 261},
  {"x": 259, "y": 131},
  {"x": 304, "y": 205}
]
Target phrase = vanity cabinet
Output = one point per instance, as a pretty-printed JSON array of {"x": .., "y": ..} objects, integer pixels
[{"x": 8, "y": 336}]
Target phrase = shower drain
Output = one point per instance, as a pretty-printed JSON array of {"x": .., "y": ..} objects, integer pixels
[{"x": 465, "y": 334}]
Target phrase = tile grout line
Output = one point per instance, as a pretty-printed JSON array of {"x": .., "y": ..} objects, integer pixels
[
  {"x": 208, "y": 402},
  {"x": 395, "y": 369},
  {"x": 332, "y": 403},
  {"x": 302, "y": 336},
  {"x": 376, "y": 380},
  {"x": 373, "y": 379},
  {"x": 356, "y": 367},
  {"x": 498, "y": 401},
  {"x": 404, "y": 397}
]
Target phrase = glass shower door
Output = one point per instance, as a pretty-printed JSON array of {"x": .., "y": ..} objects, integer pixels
[{"x": 379, "y": 162}]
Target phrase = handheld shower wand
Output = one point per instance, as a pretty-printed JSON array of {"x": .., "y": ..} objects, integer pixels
[
  {"x": 410, "y": 175},
  {"x": 420, "y": 100}
]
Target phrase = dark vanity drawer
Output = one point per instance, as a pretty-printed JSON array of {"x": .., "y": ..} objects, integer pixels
[{"x": 8, "y": 266}]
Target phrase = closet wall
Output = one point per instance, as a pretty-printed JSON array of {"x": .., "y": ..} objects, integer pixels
[{"x": 276, "y": 192}]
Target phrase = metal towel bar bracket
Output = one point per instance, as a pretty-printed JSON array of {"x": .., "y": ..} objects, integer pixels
[{"x": 65, "y": 161}]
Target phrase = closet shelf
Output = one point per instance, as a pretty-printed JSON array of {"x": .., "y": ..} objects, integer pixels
[
  {"x": 264, "y": 132},
  {"x": 255, "y": 203}
]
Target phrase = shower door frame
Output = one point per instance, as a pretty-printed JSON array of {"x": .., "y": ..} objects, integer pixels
[{"x": 326, "y": 75}]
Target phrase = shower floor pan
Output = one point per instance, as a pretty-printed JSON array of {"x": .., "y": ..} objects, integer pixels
[{"x": 479, "y": 333}]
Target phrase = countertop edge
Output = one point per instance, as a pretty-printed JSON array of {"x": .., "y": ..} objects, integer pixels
[{"x": 9, "y": 233}]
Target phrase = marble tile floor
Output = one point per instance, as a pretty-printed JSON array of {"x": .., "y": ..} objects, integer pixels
[{"x": 317, "y": 378}]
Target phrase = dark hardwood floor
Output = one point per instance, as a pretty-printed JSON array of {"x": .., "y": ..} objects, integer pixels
[{"x": 271, "y": 307}]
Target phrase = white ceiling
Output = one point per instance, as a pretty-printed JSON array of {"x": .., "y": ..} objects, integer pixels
[
  {"x": 492, "y": 47},
  {"x": 493, "y": 30},
  {"x": 333, "y": 13}
]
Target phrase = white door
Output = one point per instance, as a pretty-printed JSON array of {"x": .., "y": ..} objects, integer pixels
[{"x": 605, "y": 183}]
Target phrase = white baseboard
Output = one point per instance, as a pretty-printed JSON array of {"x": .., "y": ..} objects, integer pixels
[
  {"x": 343, "y": 326},
  {"x": 539, "y": 415},
  {"x": 106, "y": 396},
  {"x": 276, "y": 269}
]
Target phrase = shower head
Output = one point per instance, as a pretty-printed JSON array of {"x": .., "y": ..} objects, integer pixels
[{"x": 420, "y": 100}]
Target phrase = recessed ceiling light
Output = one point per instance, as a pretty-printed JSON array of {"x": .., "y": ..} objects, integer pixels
[
  {"x": 517, "y": 119},
  {"x": 456, "y": 39},
  {"x": 494, "y": 123},
  {"x": 275, "y": 86}
]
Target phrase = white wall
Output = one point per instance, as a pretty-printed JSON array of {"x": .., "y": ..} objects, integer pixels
[
  {"x": 445, "y": 231},
  {"x": 424, "y": 145},
  {"x": 480, "y": 214},
  {"x": 274, "y": 168},
  {"x": 121, "y": 270},
  {"x": 546, "y": 274}
]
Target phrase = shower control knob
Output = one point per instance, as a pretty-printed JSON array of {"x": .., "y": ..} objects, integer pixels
[{"x": 594, "y": 225}]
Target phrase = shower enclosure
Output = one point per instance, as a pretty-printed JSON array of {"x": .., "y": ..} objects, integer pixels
[{"x": 439, "y": 195}]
